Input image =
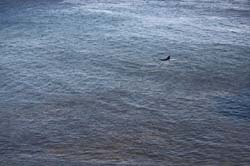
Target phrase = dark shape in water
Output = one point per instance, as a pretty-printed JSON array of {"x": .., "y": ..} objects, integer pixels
[{"x": 165, "y": 59}]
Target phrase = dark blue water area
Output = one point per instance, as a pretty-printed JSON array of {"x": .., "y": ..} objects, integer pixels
[
  {"x": 236, "y": 106},
  {"x": 81, "y": 82}
]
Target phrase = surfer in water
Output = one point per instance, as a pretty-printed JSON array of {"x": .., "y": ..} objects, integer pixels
[{"x": 166, "y": 59}]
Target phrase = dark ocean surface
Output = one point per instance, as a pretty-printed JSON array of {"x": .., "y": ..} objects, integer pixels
[{"x": 81, "y": 82}]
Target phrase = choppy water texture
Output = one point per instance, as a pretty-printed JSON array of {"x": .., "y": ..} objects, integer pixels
[{"x": 81, "y": 82}]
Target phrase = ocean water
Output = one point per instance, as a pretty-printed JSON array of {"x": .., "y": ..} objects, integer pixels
[{"x": 81, "y": 82}]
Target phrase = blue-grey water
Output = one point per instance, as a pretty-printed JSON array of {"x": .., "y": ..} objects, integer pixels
[{"x": 81, "y": 82}]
